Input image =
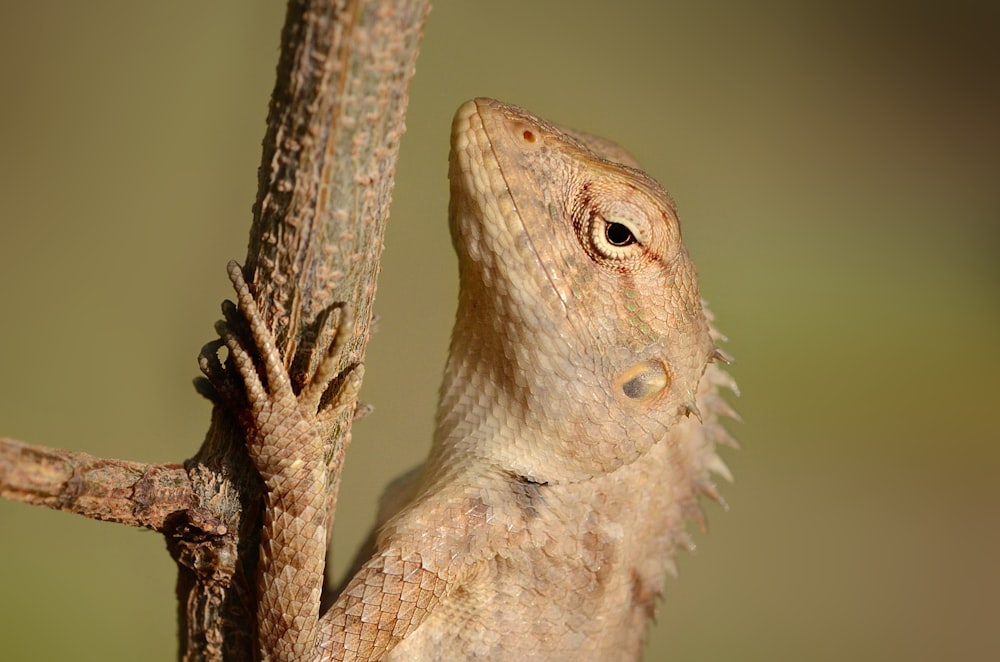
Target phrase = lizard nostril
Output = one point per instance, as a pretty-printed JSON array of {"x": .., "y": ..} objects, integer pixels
[{"x": 528, "y": 136}]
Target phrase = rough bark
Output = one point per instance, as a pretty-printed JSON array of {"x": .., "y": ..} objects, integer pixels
[{"x": 334, "y": 126}]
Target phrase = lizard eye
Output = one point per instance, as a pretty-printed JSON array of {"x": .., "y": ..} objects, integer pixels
[
  {"x": 615, "y": 237},
  {"x": 618, "y": 234}
]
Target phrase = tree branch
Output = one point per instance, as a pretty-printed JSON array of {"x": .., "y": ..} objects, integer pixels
[
  {"x": 133, "y": 493},
  {"x": 334, "y": 126}
]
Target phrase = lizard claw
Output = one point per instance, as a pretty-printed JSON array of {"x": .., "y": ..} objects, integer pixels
[
  {"x": 243, "y": 361},
  {"x": 313, "y": 392},
  {"x": 311, "y": 397},
  {"x": 217, "y": 385},
  {"x": 274, "y": 370},
  {"x": 266, "y": 383}
]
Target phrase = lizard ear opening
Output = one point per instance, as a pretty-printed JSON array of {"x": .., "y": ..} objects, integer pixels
[{"x": 644, "y": 380}]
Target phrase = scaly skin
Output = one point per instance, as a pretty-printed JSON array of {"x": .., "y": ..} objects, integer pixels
[{"x": 577, "y": 425}]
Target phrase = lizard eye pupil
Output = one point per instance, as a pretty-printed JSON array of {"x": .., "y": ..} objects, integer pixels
[{"x": 618, "y": 234}]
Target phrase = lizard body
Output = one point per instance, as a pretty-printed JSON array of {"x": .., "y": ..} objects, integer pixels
[{"x": 576, "y": 428}]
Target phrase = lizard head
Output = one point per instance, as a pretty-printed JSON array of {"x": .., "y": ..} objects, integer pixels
[{"x": 581, "y": 337}]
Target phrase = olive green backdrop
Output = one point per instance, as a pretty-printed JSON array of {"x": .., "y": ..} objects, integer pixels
[{"x": 836, "y": 168}]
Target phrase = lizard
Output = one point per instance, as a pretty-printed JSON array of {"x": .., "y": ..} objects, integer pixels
[{"x": 577, "y": 425}]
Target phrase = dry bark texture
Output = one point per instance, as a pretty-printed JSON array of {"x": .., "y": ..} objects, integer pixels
[{"x": 335, "y": 121}]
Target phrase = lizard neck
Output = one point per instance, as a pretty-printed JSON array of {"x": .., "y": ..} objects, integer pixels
[
  {"x": 483, "y": 409},
  {"x": 538, "y": 405}
]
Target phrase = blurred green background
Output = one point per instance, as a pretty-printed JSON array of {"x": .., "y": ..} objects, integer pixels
[{"x": 836, "y": 167}]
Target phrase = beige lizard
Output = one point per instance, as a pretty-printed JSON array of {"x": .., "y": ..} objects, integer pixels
[{"x": 576, "y": 428}]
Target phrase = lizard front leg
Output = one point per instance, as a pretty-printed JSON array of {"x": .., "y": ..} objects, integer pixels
[{"x": 285, "y": 435}]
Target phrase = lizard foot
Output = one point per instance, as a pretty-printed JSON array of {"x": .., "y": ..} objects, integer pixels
[
  {"x": 287, "y": 431},
  {"x": 277, "y": 421}
]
